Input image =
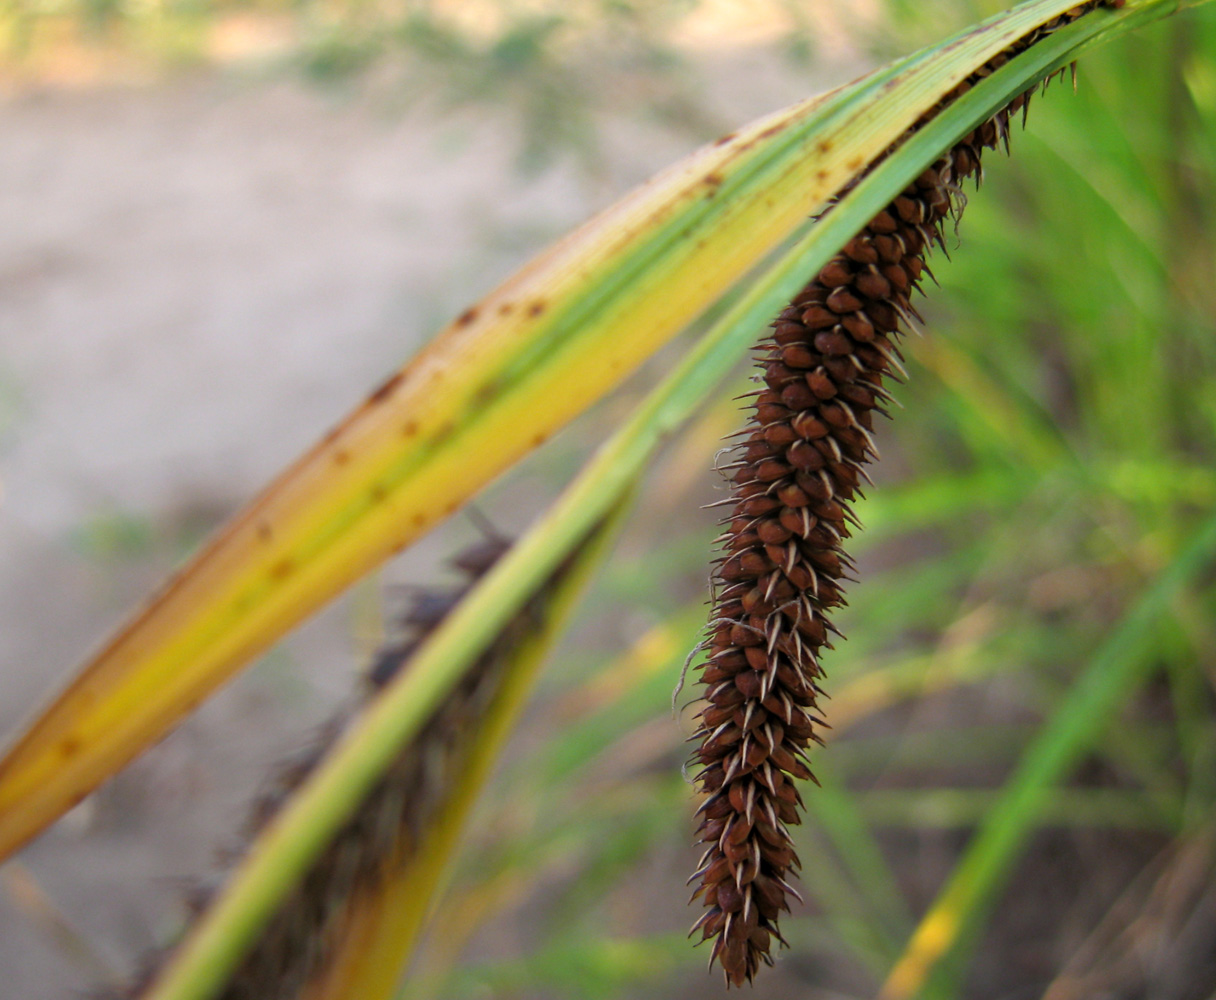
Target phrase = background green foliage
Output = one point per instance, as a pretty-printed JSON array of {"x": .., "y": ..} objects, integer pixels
[
  {"x": 1057, "y": 453},
  {"x": 530, "y": 61}
]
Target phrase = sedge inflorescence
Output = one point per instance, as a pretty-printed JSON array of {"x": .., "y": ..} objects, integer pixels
[
  {"x": 824, "y": 369},
  {"x": 301, "y": 939},
  {"x": 388, "y": 828}
]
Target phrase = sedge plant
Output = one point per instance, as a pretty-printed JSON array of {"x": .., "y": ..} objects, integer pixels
[{"x": 502, "y": 377}]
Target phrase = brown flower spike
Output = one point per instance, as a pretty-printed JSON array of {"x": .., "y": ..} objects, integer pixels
[{"x": 781, "y": 572}]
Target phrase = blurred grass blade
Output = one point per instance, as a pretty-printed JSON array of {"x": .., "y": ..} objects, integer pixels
[
  {"x": 503, "y": 376},
  {"x": 836, "y": 811},
  {"x": 374, "y": 948},
  {"x": 1119, "y": 665}
]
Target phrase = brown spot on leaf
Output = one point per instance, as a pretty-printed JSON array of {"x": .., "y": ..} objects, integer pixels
[
  {"x": 282, "y": 569},
  {"x": 409, "y": 428},
  {"x": 341, "y": 456},
  {"x": 387, "y": 389},
  {"x": 725, "y": 139},
  {"x": 537, "y": 307},
  {"x": 265, "y": 531},
  {"x": 486, "y": 392},
  {"x": 467, "y": 317}
]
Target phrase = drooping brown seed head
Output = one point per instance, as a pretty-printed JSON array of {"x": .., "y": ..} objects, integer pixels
[{"x": 824, "y": 368}]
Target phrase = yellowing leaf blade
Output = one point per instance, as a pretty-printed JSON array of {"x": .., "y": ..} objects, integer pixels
[{"x": 503, "y": 376}]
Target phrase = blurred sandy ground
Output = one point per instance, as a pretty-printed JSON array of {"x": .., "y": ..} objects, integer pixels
[{"x": 198, "y": 275}]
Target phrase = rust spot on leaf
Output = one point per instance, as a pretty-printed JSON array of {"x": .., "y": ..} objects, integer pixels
[
  {"x": 467, "y": 317},
  {"x": 486, "y": 392},
  {"x": 725, "y": 139},
  {"x": 387, "y": 389},
  {"x": 282, "y": 569},
  {"x": 409, "y": 428},
  {"x": 265, "y": 531},
  {"x": 712, "y": 182},
  {"x": 69, "y": 747},
  {"x": 506, "y": 309},
  {"x": 537, "y": 307},
  {"x": 341, "y": 456}
]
